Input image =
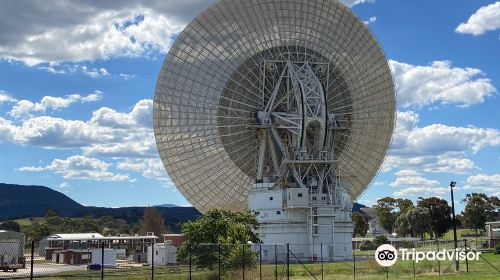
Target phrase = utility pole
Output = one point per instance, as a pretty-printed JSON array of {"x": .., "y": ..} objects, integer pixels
[{"x": 452, "y": 185}]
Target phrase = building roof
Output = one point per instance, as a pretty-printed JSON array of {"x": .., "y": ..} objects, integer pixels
[
  {"x": 94, "y": 236},
  {"x": 75, "y": 236}
]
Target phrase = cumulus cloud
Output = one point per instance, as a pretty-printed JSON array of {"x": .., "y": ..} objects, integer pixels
[
  {"x": 108, "y": 133},
  {"x": 25, "y": 107},
  {"x": 485, "y": 19},
  {"x": 125, "y": 137},
  {"x": 489, "y": 184},
  {"x": 440, "y": 83},
  {"x": 149, "y": 168},
  {"x": 372, "y": 19},
  {"x": 78, "y": 30},
  {"x": 6, "y": 98},
  {"x": 80, "y": 167},
  {"x": 410, "y": 183},
  {"x": 351, "y": 3},
  {"x": 82, "y": 30},
  {"x": 436, "y": 147}
]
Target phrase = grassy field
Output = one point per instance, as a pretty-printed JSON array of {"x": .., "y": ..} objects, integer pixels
[{"x": 342, "y": 271}]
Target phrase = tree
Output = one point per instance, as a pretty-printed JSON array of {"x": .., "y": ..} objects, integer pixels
[
  {"x": 380, "y": 239},
  {"x": 388, "y": 210},
  {"x": 478, "y": 209},
  {"x": 10, "y": 225},
  {"x": 440, "y": 214},
  {"x": 360, "y": 225},
  {"x": 152, "y": 221},
  {"x": 218, "y": 226},
  {"x": 415, "y": 221}
]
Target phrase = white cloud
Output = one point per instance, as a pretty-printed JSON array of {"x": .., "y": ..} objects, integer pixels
[
  {"x": 490, "y": 184},
  {"x": 149, "y": 168},
  {"x": 94, "y": 72},
  {"x": 108, "y": 133},
  {"x": 410, "y": 183},
  {"x": 141, "y": 115},
  {"x": 440, "y": 83},
  {"x": 485, "y": 19},
  {"x": 351, "y": 3},
  {"x": 94, "y": 30},
  {"x": 372, "y": 19},
  {"x": 127, "y": 76},
  {"x": 89, "y": 30},
  {"x": 437, "y": 147},
  {"x": 80, "y": 167},
  {"x": 26, "y": 108},
  {"x": 421, "y": 192},
  {"x": 6, "y": 98}
]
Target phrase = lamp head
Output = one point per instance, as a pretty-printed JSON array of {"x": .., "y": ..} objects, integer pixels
[{"x": 453, "y": 184}]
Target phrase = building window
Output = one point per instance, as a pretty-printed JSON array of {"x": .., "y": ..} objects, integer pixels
[
  {"x": 314, "y": 198},
  {"x": 278, "y": 212},
  {"x": 299, "y": 194},
  {"x": 270, "y": 198},
  {"x": 156, "y": 253},
  {"x": 257, "y": 213}
]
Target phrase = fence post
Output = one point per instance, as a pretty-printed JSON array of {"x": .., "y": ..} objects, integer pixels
[
  {"x": 414, "y": 272},
  {"x": 354, "y": 264},
  {"x": 260, "y": 260},
  {"x": 439, "y": 262},
  {"x": 288, "y": 261},
  {"x": 322, "y": 261},
  {"x": 32, "y": 258},
  {"x": 218, "y": 257},
  {"x": 276, "y": 261},
  {"x": 190, "y": 260},
  {"x": 102, "y": 260},
  {"x": 243, "y": 271},
  {"x": 466, "y": 258},
  {"x": 153, "y": 261}
]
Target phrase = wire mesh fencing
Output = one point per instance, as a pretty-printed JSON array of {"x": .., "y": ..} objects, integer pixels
[{"x": 239, "y": 261}]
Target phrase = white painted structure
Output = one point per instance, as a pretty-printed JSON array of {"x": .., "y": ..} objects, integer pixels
[
  {"x": 164, "y": 253},
  {"x": 109, "y": 257},
  {"x": 306, "y": 220}
]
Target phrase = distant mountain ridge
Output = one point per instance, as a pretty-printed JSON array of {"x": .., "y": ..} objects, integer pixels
[
  {"x": 21, "y": 201},
  {"x": 167, "y": 205}
]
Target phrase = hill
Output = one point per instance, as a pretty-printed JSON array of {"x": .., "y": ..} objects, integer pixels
[{"x": 20, "y": 201}]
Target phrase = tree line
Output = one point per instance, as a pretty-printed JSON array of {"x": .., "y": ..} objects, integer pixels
[
  {"x": 432, "y": 215},
  {"x": 152, "y": 221}
]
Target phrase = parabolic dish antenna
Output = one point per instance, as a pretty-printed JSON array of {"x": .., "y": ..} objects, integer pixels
[{"x": 298, "y": 76}]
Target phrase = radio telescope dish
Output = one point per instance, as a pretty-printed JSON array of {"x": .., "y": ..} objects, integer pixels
[{"x": 292, "y": 75}]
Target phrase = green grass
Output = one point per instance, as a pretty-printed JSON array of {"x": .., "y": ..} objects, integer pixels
[
  {"x": 427, "y": 270},
  {"x": 460, "y": 231}
]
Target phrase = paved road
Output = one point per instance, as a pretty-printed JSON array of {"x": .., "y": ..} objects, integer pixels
[{"x": 43, "y": 269}]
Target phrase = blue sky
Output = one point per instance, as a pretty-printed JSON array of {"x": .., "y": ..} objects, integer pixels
[{"x": 76, "y": 83}]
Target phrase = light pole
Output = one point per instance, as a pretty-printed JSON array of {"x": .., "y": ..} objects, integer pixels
[{"x": 452, "y": 185}]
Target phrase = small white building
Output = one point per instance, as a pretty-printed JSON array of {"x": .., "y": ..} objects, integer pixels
[
  {"x": 109, "y": 257},
  {"x": 164, "y": 253}
]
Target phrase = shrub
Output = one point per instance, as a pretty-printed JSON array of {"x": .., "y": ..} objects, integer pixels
[
  {"x": 405, "y": 244},
  {"x": 380, "y": 239},
  {"x": 497, "y": 250},
  {"x": 366, "y": 245}
]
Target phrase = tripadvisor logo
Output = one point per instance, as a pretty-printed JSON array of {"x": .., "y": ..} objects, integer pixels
[{"x": 386, "y": 255}]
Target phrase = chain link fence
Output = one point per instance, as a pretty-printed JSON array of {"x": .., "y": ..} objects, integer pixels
[{"x": 235, "y": 261}]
